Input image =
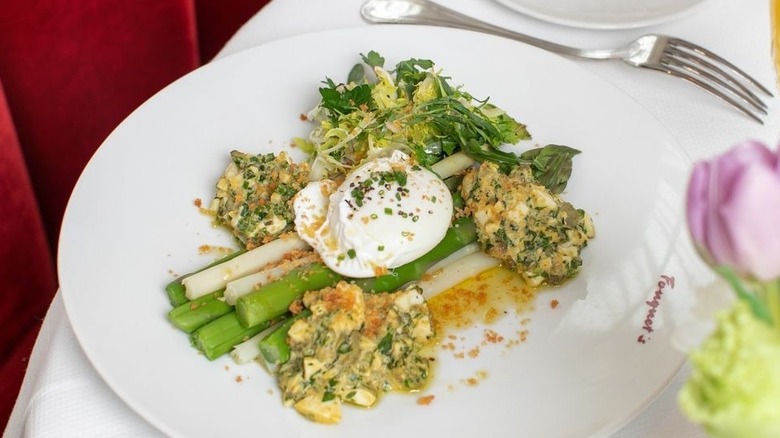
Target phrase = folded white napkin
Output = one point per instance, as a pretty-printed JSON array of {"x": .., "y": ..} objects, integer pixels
[{"x": 62, "y": 394}]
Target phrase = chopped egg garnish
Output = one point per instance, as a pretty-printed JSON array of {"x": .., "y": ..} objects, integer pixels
[{"x": 386, "y": 213}]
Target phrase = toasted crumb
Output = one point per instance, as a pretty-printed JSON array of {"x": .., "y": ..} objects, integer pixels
[
  {"x": 493, "y": 337},
  {"x": 425, "y": 400},
  {"x": 198, "y": 202},
  {"x": 448, "y": 346},
  {"x": 554, "y": 303}
]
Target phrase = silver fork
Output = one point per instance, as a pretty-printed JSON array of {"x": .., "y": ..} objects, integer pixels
[{"x": 663, "y": 53}]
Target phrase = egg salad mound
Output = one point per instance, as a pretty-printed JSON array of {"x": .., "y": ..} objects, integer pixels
[
  {"x": 521, "y": 223},
  {"x": 354, "y": 347},
  {"x": 254, "y": 196}
]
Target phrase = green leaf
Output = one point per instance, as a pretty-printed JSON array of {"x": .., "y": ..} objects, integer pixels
[
  {"x": 510, "y": 130},
  {"x": 551, "y": 165},
  {"x": 357, "y": 74},
  {"x": 483, "y": 152},
  {"x": 469, "y": 129},
  {"x": 373, "y": 59},
  {"x": 410, "y": 72},
  {"x": 347, "y": 101}
]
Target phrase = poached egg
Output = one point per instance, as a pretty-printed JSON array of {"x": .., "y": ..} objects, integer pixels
[{"x": 387, "y": 212}]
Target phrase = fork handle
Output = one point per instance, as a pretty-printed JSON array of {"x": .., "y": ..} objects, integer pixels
[{"x": 429, "y": 13}]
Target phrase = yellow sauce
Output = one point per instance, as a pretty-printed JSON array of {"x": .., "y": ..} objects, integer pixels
[{"x": 480, "y": 300}]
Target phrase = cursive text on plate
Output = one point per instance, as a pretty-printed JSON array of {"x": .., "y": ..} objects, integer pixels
[{"x": 652, "y": 304}]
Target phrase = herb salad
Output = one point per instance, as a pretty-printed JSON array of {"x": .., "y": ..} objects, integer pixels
[{"x": 413, "y": 108}]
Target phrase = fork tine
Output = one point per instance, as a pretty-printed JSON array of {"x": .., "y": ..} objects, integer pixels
[
  {"x": 703, "y": 67},
  {"x": 704, "y": 52},
  {"x": 694, "y": 66},
  {"x": 686, "y": 76}
]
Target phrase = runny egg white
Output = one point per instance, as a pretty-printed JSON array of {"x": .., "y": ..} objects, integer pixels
[{"x": 385, "y": 213}]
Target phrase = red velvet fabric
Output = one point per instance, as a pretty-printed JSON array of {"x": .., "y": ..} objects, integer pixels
[
  {"x": 71, "y": 71},
  {"x": 26, "y": 268},
  {"x": 74, "y": 69},
  {"x": 219, "y": 20}
]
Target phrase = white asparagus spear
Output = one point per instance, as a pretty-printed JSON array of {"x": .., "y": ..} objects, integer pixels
[
  {"x": 217, "y": 277},
  {"x": 456, "y": 272}
]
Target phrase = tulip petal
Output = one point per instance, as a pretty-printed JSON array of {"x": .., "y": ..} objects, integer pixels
[
  {"x": 717, "y": 238},
  {"x": 751, "y": 219},
  {"x": 725, "y": 170},
  {"x": 729, "y": 166}
]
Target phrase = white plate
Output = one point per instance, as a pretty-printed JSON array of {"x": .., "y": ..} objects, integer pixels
[
  {"x": 582, "y": 370},
  {"x": 605, "y": 14}
]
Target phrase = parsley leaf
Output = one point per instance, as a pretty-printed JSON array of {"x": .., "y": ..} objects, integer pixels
[
  {"x": 373, "y": 59},
  {"x": 341, "y": 100}
]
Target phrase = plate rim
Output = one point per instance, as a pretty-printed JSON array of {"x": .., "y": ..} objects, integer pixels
[{"x": 520, "y": 7}]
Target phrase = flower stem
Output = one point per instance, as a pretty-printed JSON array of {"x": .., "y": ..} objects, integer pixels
[
  {"x": 758, "y": 305},
  {"x": 772, "y": 290}
]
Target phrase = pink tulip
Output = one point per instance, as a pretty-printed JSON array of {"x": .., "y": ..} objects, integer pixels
[{"x": 733, "y": 210}]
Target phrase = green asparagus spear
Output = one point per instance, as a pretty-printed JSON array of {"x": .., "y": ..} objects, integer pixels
[
  {"x": 194, "y": 314},
  {"x": 453, "y": 183},
  {"x": 274, "y": 347},
  {"x": 219, "y": 336},
  {"x": 273, "y": 299},
  {"x": 461, "y": 233}
]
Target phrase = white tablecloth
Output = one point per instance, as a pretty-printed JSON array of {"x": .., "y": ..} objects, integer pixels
[{"x": 63, "y": 396}]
